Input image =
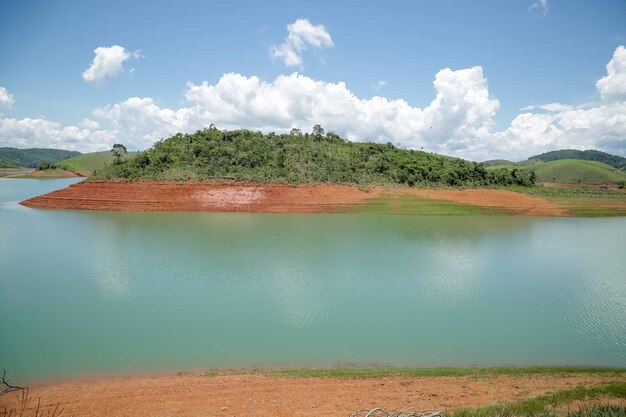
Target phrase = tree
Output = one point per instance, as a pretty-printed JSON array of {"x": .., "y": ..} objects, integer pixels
[
  {"x": 318, "y": 131},
  {"x": 117, "y": 151},
  {"x": 44, "y": 165},
  {"x": 295, "y": 132}
]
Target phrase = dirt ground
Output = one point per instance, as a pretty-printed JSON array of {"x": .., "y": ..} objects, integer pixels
[
  {"x": 151, "y": 196},
  {"x": 259, "y": 395}
]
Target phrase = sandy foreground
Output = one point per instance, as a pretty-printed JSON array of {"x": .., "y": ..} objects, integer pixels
[
  {"x": 264, "y": 198},
  {"x": 259, "y": 395}
]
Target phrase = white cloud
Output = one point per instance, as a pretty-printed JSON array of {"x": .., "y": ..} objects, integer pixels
[
  {"x": 89, "y": 124},
  {"x": 31, "y": 133},
  {"x": 458, "y": 121},
  {"x": 139, "y": 122},
  {"x": 108, "y": 62},
  {"x": 613, "y": 86},
  {"x": 550, "y": 107},
  {"x": 379, "y": 85},
  {"x": 6, "y": 98},
  {"x": 461, "y": 111},
  {"x": 540, "y": 7},
  {"x": 302, "y": 34}
]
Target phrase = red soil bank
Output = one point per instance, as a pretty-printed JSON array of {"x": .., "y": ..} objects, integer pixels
[
  {"x": 267, "y": 198},
  {"x": 258, "y": 395}
]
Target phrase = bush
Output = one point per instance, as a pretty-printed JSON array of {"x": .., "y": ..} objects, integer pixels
[{"x": 295, "y": 158}]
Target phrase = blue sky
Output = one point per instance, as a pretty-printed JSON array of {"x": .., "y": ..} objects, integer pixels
[{"x": 530, "y": 53}]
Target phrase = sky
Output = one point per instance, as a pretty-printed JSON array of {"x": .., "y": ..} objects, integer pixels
[{"x": 475, "y": 79}]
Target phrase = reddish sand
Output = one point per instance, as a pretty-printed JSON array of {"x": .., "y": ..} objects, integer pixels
[
  {"x": 264, "y": 198},
  {"x": 257, "y": 395}
]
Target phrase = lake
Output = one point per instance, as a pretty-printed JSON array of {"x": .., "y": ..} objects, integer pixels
[{"x": 86, "y": 293}]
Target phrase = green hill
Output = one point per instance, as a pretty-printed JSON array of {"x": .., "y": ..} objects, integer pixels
[
  {"x": 7, "y": 164},
  {"x": 588, "y": 155},
  {"x": 496, "y": 162},
  {"x": 87, "y": 163},
  {"x": 243, "y": 155},
  {"x": 575, "y": 171},
  {"x": 30, "y": 158}
]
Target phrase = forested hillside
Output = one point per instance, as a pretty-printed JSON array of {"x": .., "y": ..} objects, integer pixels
[
  {"x": 7, "y": 164},
  {"x": 588, "y": 155},
  {"x": 30, "y": 158},
  {"x": 295, "y": 158}
]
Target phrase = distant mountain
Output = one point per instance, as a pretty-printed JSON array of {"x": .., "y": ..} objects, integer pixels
[
  {"x": 33, "y": 156},
  {"x": 589, "y": 155},
  {"x": 495, "y": 162}
]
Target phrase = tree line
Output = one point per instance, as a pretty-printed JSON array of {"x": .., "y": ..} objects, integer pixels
[{"x": 296, "y": 158}]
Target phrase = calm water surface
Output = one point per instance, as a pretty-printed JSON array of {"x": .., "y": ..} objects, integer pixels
[{"x": 97, "y": 292}]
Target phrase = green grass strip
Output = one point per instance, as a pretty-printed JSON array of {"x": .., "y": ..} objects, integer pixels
[
  {"x": 538, "y": 406},
  {"x": 444, "y": 371}
]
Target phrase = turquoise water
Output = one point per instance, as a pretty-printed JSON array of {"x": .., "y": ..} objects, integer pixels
[{"x": 96, "y": 292}]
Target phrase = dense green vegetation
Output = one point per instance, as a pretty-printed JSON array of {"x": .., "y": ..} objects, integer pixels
[
  {"x": 7, "y": 164},
  {"x": 243, "y": 155},
  {"x": 45, "y": 165},
  {"x": 89, "y": 162},
  {"x": 588, "y": 155},
  {"x": 30, "y": 158}
]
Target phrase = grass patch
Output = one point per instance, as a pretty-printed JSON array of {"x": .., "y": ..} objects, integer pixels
[
  {"x": 422, "y": 206},
  {"x": 46, "y": 174},
  {"x": 597, "y": 411},
  {"x": 579, "y": 201},
  {"x": 539, "y": 406},
  {"x": 575, "y": 171},
  {"x": 432, "y": 372},
  {"x": 87, "y": 163}
]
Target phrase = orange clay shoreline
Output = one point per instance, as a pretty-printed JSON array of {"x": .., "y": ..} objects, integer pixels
[
  {"x": 269, "y": 198},
  {"x": 197, "y": 394}
]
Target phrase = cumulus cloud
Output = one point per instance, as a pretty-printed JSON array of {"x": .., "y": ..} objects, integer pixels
[
  {"x": 613, "y": 86},
  {"x": 108, "y": 62},
  {"x": 458, "y": 121},
  {"x": 461, "y": 112},
  {"x": 539, "y": 7},
  {"x": 301, "y": 35},
  {"x": 31, "y": 133},
  {"x": 6, "y": 98}
]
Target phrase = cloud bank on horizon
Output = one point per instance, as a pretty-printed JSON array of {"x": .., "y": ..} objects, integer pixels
[{"x": 459, "y": 121}]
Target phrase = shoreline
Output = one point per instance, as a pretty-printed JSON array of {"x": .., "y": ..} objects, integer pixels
[
  {"x": 299, "y": 392},
  {"x": 339, "y": 372},
  {"x": 281, "y": 198}
]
